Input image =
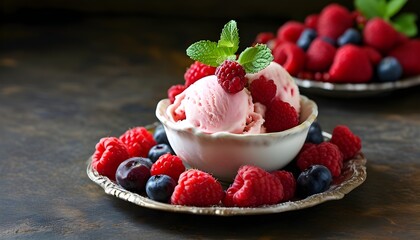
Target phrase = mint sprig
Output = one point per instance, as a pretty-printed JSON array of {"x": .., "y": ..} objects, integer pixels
[
  {"x": 253, "y": 59},
  {"x": 229, "y": 38},
  {"x": 404, "y": 23}
]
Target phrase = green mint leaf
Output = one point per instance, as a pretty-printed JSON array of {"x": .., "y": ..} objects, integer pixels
[
  {"x": 206, "y": 52},
  {"x": 393, "y": 7},
  {"x": 255, "y": 59},
  {"x": 229, "y": 38},
  {"x": 371, "y": 8},
  {"x": 406, "y": 23}
]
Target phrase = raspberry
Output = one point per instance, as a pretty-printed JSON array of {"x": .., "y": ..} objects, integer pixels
[
  {"x": 263, "y": 90},
  {"x": 311, "y": 21},
  {"x": 333, "y": 21},
  {"x": 110, "y": 152},
  {"x": 264, "y": 37},
  {"x": 305, "y": 147},
  {"x": 380, "y": 35},
  {"x": 288, "y": 182},
  {"x": 326, "y": 154},
  {"x": 346, "y": 60},
  {"x": 374, "y": 56},
  {"x": 290, "y": 31},
  {"x": 174, "y": 91},
  {"x": 197, "y": 188},
  {"x": 280, "y": 116},
  {"x": 231, "y": 76},
  {"x": 402, "y": 38},
  {"x": 348, "y": 143},
  {"x": 138, "y": 141},
  {"x": 168, "y": 164},
  {"x": 290, "y": 56},
  {"x": 253, "y": 187},
  {"x": 407, "y": 55},
  {"x": 197, "y": 71},
  {"x": 320, "y": 55}
]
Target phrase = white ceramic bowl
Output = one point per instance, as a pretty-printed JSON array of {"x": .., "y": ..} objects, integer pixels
[{"x": 222, "y": 153}]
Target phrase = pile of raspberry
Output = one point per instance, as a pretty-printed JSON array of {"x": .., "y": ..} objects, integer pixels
[
  {"x": 341, "y": 46},
  {"x": 252, "y": 186}
]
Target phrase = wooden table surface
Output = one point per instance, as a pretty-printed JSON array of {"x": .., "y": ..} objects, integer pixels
[{"x": 65, "y": 85}]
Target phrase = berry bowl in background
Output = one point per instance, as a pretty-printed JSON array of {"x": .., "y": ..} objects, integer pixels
[{"x": 222, "y": 153}]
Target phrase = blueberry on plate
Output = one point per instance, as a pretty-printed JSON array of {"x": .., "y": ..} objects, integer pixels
[
  {"x": 315, "y": 134},
  {"x": 350, "y": 36},
  {"x": 160, "y": 135},
  {"x": 160, "y": 188},
  {"x": 158, "y": 150},
  {"x": 315, "y": 179},
  {"x": 306, "y": 37},
  {"x": 389, "y": 70},
  {"x": 133, "y": 173}
]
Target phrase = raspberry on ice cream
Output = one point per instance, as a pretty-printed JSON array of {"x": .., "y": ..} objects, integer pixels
[{"x": 287, "y": 90}]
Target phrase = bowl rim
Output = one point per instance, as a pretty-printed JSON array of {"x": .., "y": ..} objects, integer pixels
[{"x": 163, "y": 118}]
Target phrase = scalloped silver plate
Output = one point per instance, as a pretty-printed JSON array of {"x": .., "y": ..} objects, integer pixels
[
  {"x": 354, "y": 174},
  {"x": 355, "y": 89}
]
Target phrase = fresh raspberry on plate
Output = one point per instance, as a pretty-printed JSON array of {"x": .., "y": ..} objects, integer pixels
[
  {"x": 263, "y": 90},
  {"x": 174, "y": 91},
  {"x": 253, "y": 187},
  {"x": 168, "y": 164},
  {"x": 311, "y": 21},
  {"x": 109, "y": 153},
  {"x": 351, "y": 64},
  {"x": 197, "y": 188},
  {"x": 326, "y": 154},
  {"x": 333, "y": 21},
  {"x": 319, "y": 55},
  {"x": 374, "y": 56},
  {"x": 231, "y": 76},
  {"x": 380, "y": 35},
  {"x": 138, "y": 141},
  {"x": 197, "y": 71},
  {"x": 407, "y": 55},
  {"x": 288, "y": 182},
  {"x": 290, "y": 56},
  {"x": 290, "y": 31},
  {"x": 280, "y": 116},
  {"x": 348, "y": 143},
  {"x": 264, "y": 37}
]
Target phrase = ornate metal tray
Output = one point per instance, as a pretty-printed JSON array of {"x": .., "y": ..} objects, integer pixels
[
  {"x": 354, "y": 174},
  {"x": 355, "y": 89}
]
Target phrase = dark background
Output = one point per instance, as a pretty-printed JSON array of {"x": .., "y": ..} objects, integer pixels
[{"x": 72, "y": 72}]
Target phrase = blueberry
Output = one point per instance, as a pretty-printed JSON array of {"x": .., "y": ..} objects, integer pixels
[
  {"x": 315, "y": 134},
  {"x": 389, "y": 70},
  {"x": 315, "y": 179},
  {"x": 160, "y": 188},
  {"x": 306, "y": 38},
  {"x": 158, "y": 150},
  {"x": 350, "y": 36},
  {"x": 133, "y": 173},
  {"x": 160, "y": 135}
]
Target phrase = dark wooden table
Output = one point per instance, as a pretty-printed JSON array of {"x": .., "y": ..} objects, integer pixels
[{"x": 65, "y": 85}]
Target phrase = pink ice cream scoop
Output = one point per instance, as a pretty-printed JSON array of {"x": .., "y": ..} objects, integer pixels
[
  {"x": 287, "y": 90},
  {"x": 207, "y": 106}
]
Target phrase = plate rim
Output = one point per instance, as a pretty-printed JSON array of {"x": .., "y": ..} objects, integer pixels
[
  {"x": 358, "y": 87},
  {"x": 355, "y": 166}
]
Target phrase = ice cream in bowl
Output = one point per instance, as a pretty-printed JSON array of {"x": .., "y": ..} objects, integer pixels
[{"x": 244, "y": 110}]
